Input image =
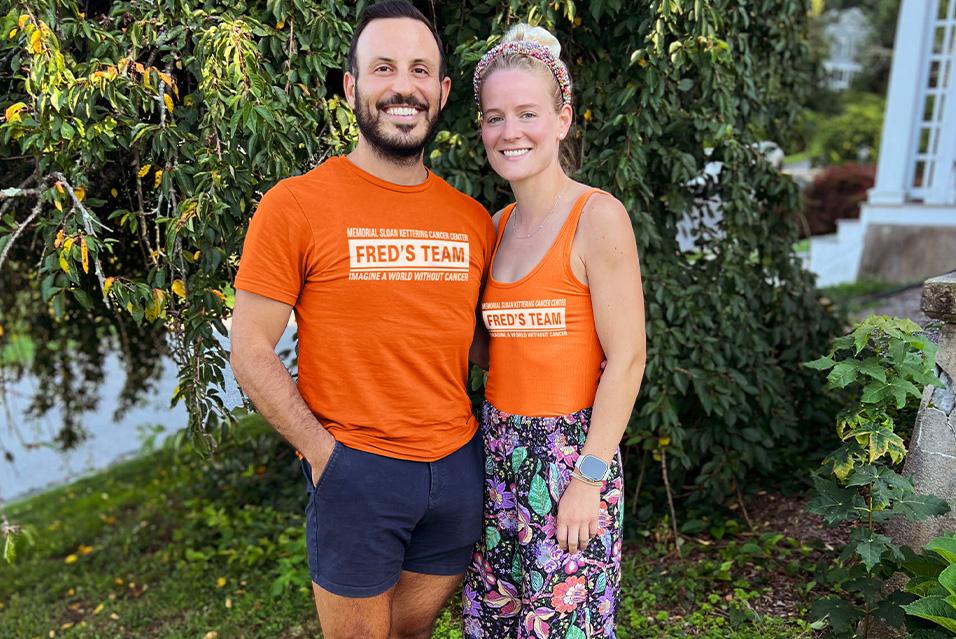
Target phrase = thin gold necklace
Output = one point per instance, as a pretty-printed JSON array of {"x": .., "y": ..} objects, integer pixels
[{"x": 545, "y": 219}]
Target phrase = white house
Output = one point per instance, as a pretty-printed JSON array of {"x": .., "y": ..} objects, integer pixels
[
  {"x": 907, "y": 227},
  {"x": 846, "y": 32}
]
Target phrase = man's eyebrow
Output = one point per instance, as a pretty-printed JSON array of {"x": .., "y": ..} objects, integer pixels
[{"x": 424, "y": 61}]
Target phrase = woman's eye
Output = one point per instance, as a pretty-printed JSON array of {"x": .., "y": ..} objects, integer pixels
[{"x": 527, "y": 115}]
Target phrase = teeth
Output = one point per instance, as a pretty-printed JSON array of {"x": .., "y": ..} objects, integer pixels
[
  {"x": 513, "y": 153},
  {"x": 402, "y": 111}
]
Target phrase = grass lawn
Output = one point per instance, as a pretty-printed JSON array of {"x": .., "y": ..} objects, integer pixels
[{"x": 171, "y": 545}]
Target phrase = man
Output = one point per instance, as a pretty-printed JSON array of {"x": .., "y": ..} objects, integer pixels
[{"x": 382, "y": 262}]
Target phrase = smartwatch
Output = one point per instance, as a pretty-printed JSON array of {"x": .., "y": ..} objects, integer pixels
[{"x": 592, "y": 468}]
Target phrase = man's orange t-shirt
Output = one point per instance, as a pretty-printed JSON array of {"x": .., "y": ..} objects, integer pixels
[{"x": 384, "y": 280}]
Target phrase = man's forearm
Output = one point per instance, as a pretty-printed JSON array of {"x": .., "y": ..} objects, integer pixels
[{"x": 273, "y": 392}]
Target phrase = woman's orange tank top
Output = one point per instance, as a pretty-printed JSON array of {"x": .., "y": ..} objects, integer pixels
[{"x": 544, "y": 350}]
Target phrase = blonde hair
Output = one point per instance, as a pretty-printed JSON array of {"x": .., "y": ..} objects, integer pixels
[{"x": 538, "y": 35}]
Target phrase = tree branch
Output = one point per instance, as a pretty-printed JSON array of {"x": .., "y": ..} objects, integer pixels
[{"x": 6, "y": 249}]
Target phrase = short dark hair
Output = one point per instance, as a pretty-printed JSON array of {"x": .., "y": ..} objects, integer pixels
[{"x": 393, "y": 9}]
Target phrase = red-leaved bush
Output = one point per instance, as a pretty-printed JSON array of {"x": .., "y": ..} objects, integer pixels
[{"x": 837, "y": 192}]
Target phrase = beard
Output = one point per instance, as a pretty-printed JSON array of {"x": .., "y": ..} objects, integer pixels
[{"x": 403, "y": 148}]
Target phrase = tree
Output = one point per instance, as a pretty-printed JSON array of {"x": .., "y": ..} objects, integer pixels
[{"x": 146, "y": 133}]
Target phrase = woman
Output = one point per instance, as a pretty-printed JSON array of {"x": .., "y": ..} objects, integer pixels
[{"x": 564, "y": 294}]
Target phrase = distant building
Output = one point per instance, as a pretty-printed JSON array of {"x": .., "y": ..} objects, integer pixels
[
  {"x": 907, "y": 227},
  {"x": 846, "y": 32}
]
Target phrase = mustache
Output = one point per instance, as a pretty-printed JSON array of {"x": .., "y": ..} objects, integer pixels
[{"x": 402, "y": 100}]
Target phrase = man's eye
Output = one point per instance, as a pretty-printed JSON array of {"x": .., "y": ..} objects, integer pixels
[
  {"x": 381, "y": 67},
  {"x": 421, "y": 71}
]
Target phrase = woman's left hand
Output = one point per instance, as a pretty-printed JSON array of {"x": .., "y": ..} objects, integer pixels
[{"x": 578, "y": 515}]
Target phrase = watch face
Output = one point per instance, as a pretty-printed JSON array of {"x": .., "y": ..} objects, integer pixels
[{"x": 592, "y": 467}]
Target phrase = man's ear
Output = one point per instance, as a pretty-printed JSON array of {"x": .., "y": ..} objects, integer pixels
[
  {"x": 445, "y": 90},
  {"x": 348, "y": 85}
]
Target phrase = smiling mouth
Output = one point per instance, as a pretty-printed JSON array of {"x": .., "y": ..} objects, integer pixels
[
  {"x": 514, "y": 153},
  {"x": 402, "y": 111}
]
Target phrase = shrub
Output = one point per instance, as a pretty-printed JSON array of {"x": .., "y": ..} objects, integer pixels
[
  {"x": 881, "y": 367},
  {"x": 852, "y": 133},
  {"x": 836, "y": 194}
]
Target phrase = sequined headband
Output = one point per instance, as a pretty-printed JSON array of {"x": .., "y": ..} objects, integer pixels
[{"x": 534, "y": 50}]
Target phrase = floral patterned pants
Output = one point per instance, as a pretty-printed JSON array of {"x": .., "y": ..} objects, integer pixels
[{"x": 520, "y": 584}]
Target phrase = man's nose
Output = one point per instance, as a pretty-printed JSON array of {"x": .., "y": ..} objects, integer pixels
[{"x": 402, "y": 83}]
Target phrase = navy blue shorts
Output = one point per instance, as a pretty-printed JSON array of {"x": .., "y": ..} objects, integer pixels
[{"x": 370, "y": 517}]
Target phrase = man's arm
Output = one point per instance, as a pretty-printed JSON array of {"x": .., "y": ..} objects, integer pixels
[
  {"x": 478, "y": 353},
  {"x": 257, "y": 324}
]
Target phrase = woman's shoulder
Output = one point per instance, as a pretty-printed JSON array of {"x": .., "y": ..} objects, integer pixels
[
  {"x": 497, "y": 216},
  {"x": 603, "y": 211}
]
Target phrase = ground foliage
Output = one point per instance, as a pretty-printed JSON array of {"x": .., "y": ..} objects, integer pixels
[
  {"x": 169, "y": 545},
  {"x": 138, "y": 137}
]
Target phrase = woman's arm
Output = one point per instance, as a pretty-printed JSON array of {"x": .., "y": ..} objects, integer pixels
[
  {"x": 609, "y": 254},
  {"x": 606, "y": 254}
]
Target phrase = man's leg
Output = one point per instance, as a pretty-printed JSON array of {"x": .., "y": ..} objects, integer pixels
[
  {"x": 416, "y": 602},
  {"x": 351, "y": 617}
]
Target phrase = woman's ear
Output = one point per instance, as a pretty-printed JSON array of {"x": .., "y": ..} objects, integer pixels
[{"x": 565, "y": 117}]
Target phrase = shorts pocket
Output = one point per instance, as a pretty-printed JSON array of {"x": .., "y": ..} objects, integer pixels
[{"x": 333, "y": 458}]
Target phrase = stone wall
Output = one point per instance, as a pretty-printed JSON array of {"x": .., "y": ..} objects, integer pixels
[{"x": 896, "y": 253}]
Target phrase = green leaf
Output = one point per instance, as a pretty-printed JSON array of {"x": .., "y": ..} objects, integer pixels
[
  {"x": 890, "y": 609},
  {"x": 874, "y": 392},
  {"x": 538, "y": 497},
  {"x": 843, "y": 459},
  {"x": 945, "y": 547},
  {"x": 934, "y": 609},
  {"x": 861, "y": 336},
  {"x": 863, "y": 476},
  {"x": 843, "y": 374},
  {"x": 841, "y": 614},
  {"x": 919, "y": 507},
  {"x": 835, "y": 503},
  {"x": 871, "y": 549},
  {"x": 871, "y": 366},
  {"x": 947, "y": 579}
]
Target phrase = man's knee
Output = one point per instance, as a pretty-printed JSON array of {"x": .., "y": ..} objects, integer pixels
[{"x": 353, "y": 618}]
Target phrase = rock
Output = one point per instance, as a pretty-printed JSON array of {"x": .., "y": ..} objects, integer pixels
[
  {"x": 939, "y": 297},
  {"x": 931, "y": 461}
]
